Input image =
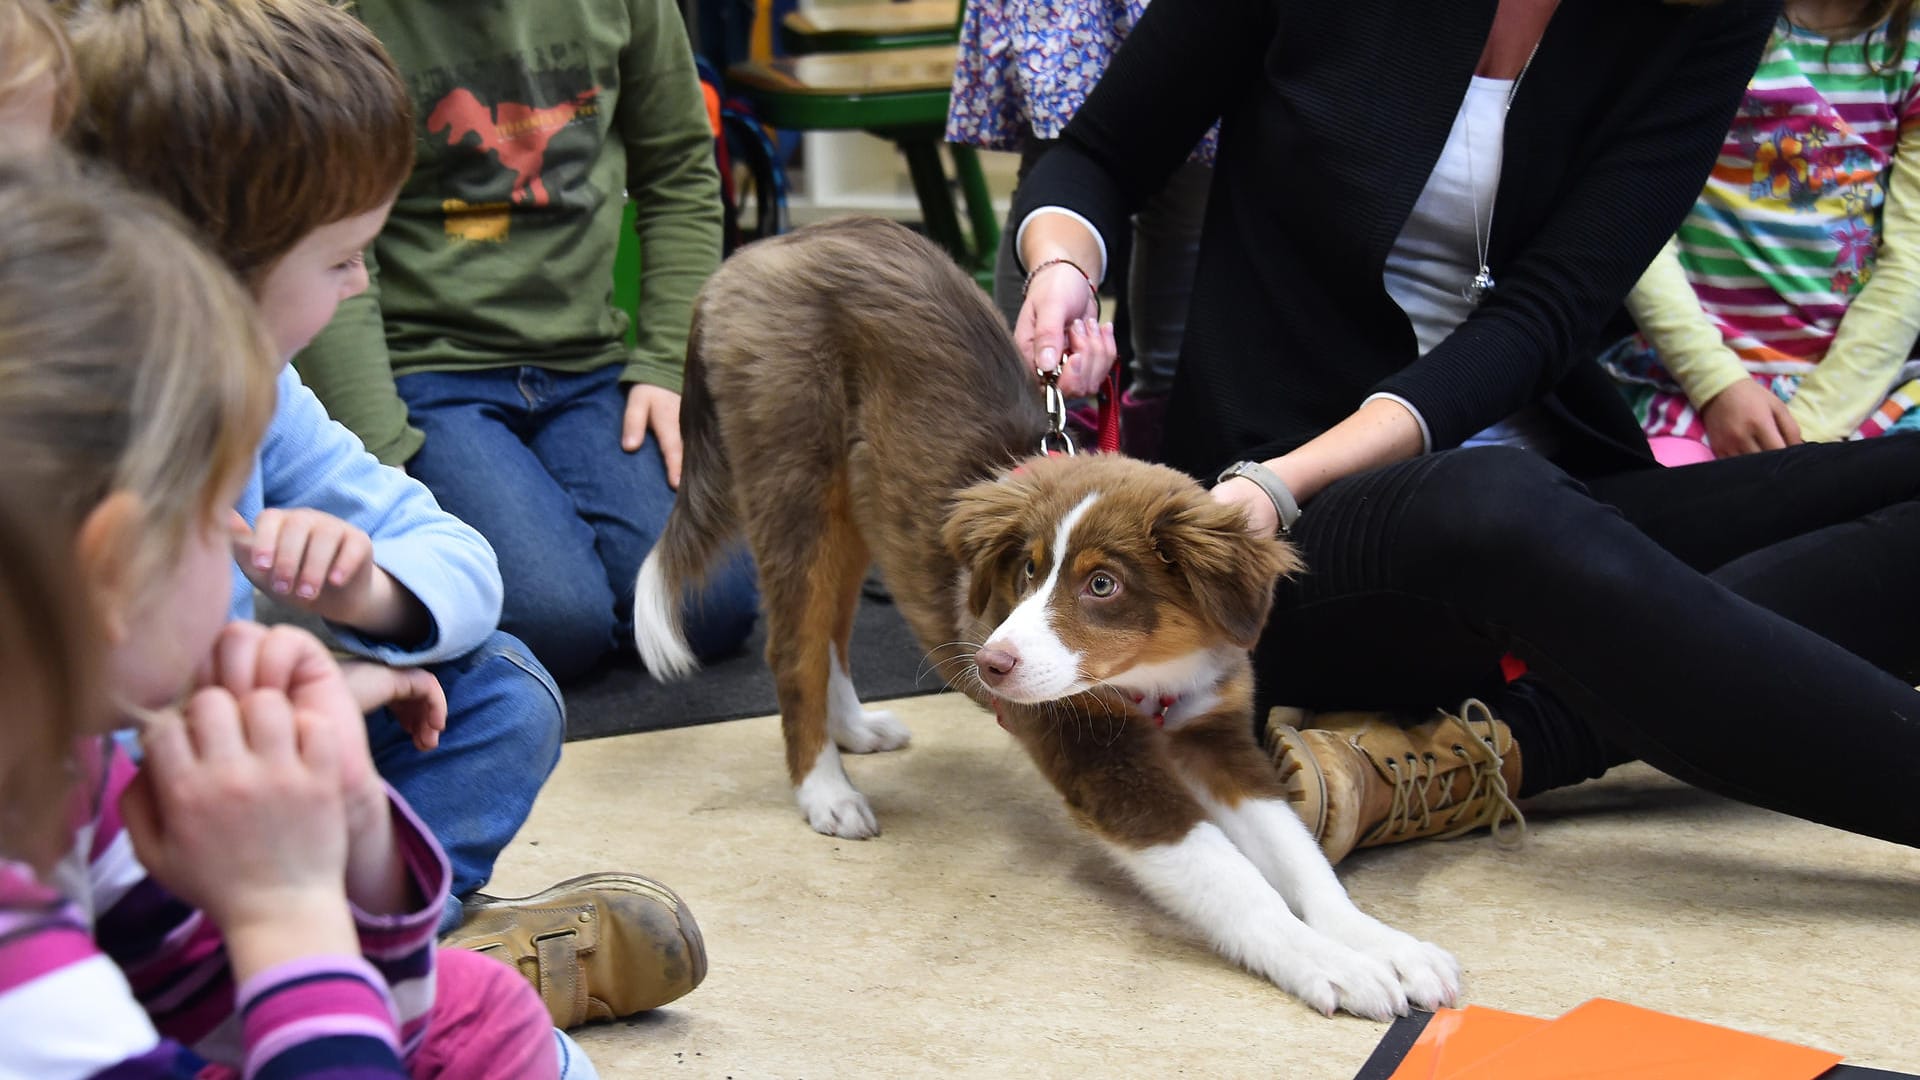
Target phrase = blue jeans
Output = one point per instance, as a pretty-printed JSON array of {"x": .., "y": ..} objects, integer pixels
[
  {"x": 532, "y": 459},
  {"x": 505, "y": 723}
]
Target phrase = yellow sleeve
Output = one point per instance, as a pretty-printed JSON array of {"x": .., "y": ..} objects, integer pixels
[
  {"x": 1668, "y": 313},
  {"x": 1879, "y": 328}
]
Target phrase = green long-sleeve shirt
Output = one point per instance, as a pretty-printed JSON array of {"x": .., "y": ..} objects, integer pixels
[{"x": 536, "y": 120}]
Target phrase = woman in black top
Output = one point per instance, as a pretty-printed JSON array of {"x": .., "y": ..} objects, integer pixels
[{"x": 1376, "y": 288}]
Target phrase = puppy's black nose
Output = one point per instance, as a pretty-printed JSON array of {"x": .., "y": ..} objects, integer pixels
[{"x": 996, "y": 664}]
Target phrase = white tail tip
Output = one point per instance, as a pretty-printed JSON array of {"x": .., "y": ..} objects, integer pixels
[{"x": 656, "y": 624}]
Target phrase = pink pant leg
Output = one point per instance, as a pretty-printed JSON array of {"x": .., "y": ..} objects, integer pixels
[{"x": 486, "y": 1022}]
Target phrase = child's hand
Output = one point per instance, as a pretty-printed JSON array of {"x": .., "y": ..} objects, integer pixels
[
  {"x": 289, "y": 660},
  {"x": 238, "y": 810},
  {"x": 307, "y": 558},
  {"x": 412, "y": 695},
  {"x": 1747, "y": 417},
  {"x": 654, "y": 409},
  {"x": 316, "y": 562}
]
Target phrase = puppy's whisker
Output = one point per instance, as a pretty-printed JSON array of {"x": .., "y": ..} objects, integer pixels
[
  {"x": 932, "y": 661},
  {"x": 1117, "y": 718}
]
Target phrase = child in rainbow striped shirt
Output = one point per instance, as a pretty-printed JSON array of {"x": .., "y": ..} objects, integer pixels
[{"x": 1787, "y": 306}]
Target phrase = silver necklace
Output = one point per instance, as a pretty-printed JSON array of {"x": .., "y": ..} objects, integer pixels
[{"x": 1482, "y": 282}]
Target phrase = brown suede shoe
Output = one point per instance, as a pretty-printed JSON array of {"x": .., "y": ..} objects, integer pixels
[
  {"x": 1364, "y": 779},
  {"x": 596, "y": 947}
]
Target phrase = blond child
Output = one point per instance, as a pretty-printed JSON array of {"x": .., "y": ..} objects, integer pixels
[
  {"x": 281, "y": 130},
  {"x": 253, "y": 899}
]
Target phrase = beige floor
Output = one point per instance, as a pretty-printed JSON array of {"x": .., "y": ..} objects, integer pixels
[{"x": 981, "y": 935}]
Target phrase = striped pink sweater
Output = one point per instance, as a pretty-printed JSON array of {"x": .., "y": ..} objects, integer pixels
[{"x": 103, "y": 973}]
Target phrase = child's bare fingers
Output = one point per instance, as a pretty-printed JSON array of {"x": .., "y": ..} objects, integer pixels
[
  {"x": 164, "y": 746},
  {"x": 423, "y": 702},
  {"x": 266, "y": 722},
  {"x": 241, "y": 534},
  {"x": 323, "y": 547},
  {"x": 423, "y": 686},
  {"x": 236, "y": 655},
  {"x": 290, "y": 551},
  {"x": 213, "y": 726},
  {"x": 266, "y": 538},
  {"x": 282, "y": 654},
  {"x": 319, "y": 741},
  {"x": 356, "y": 551},
  {"x": 426, "y": 736}
]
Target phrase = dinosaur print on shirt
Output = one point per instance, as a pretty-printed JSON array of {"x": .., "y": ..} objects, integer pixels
[
  {"x": 517, "y": 133},
  {"x": 497, "y": 121}
]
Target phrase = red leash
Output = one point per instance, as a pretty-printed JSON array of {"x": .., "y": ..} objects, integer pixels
[{"x": 1107, "y": 435}]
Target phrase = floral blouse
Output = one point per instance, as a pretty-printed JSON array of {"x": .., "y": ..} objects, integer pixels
[{"x": 1027, "y": 65}]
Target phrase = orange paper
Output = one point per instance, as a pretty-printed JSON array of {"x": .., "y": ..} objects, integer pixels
[
  {"x": 1623, "y": 1042},
  {"x": 1456, "y": 1038}
]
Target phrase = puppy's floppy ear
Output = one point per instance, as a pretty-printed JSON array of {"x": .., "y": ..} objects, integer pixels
[
  {"x": 1229, "y": 571},
  {"x": 983, "y": 531}
]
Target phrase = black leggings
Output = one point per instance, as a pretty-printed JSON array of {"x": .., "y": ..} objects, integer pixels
[{"x": 1750, "y": 625}]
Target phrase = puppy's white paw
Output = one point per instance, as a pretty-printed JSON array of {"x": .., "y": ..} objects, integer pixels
[
  {"x": 1428, "y": 974},
  {"x": 870, "y": 731},
  {"x": 837, "y": 810},
  {"x": 854, "y": 729},
  {"x": 1334, "y": 977}
]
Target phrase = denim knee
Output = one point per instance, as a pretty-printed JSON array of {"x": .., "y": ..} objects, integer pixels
[
  {"x": 505, "y": 688},
  {"x": 569, "y": 631}
]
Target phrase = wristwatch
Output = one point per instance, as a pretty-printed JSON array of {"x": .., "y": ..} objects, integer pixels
[{"x": 1283, "y": 501}]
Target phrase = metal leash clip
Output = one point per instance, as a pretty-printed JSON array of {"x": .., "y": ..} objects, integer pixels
[{"x": 1056, "y": 440}]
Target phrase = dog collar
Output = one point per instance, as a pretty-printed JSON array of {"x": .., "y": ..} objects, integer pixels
[{"x": 1157, "y": 715}]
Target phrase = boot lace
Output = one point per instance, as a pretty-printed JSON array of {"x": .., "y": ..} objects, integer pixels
[{"x": 1423, "y": 788}]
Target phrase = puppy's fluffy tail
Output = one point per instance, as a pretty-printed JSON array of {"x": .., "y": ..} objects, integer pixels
[{"x": 703, "y": 521}]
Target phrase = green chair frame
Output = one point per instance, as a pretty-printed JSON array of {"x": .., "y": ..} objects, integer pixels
[{"x": 899, "y": 95}]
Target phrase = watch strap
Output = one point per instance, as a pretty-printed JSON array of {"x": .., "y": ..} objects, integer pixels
[{"x": 1284, "y": 504}]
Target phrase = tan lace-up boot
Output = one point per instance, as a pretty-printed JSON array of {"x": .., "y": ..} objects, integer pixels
[{"x": 1360, "y": 779}]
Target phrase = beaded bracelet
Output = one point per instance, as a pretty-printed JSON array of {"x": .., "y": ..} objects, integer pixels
[{"x": 1084, "y": 276}]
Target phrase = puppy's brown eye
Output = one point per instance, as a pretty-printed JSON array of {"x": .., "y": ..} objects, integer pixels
[
  {"x": 1032, "y": 569},
  {"x": 1101, "y": 586}
]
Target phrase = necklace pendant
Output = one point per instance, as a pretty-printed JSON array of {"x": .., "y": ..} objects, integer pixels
[{"x": 1477, "y": 288}]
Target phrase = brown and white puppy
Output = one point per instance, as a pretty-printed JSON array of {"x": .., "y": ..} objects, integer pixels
[{"x": 852, "y": 398}]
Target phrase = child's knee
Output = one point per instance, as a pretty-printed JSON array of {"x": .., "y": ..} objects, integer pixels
[
  {"x": 502, "y": 694},
  {"x": 569, "y": 631},
  {"x": 486, "y": 1021}
]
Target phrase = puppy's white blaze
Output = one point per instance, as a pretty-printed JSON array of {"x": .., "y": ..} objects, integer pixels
[
  {"x": 1047, "y": 670},
  {"x": 656, "y": 623}
]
